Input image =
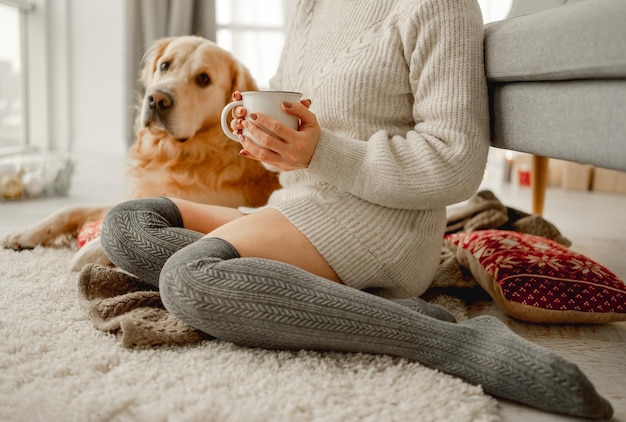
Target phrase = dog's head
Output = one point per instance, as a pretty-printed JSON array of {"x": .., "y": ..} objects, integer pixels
[{"x": 188, "y": 81}]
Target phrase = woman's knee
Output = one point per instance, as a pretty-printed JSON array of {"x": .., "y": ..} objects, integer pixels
[
  {"x": 196, "y": 261},
  {"x": 186, "y": 279},
  {"x": 124, "y": 220},
  {"x": 178, "y": 293},
  {"x": 112, "y": 226},
  {"x": 136, "y": 236},
  {"x": 160, "y": 206}
]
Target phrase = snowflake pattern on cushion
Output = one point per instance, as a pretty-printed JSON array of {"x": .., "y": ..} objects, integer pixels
[{"x": 539, "y": 272}]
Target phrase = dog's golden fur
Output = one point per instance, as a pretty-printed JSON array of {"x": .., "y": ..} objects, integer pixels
[
  {"x": 180, "y": 150},
  {"x": 186, "y": 154}
]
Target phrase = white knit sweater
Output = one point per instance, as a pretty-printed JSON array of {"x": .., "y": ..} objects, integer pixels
[{"x": 398, "y": 87}]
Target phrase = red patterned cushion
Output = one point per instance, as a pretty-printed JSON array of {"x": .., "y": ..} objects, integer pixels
[
  {"x": 536, "y": 279},
  {"x": 89, "y": 231}
]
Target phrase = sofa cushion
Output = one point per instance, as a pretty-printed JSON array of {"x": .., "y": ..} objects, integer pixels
[
  {"x": 526, "y": 7},
  {"x": 575, "y": 41}
]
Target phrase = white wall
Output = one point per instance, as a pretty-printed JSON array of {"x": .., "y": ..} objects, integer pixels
[
  {"x": 97, "y": 68},
  {"x": 84, "y": 84}
]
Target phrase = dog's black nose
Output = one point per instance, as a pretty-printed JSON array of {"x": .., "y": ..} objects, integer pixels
[{"x": 160, "y": 101}]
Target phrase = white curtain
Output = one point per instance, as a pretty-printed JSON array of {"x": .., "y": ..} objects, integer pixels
[
  {"x": 165, "y": 18},
  {"x": 149, "y": 20},
  {"x": 254, "y": 31}
]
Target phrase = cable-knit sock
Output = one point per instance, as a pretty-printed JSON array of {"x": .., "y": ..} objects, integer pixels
[
  {"x": 430, "y": 309},
  {"x": 140, "y": 235},
  {"x": 263, "y": 303}
]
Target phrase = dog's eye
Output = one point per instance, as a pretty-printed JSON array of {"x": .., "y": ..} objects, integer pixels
[
  {"x": 203, "y": 80},
  {"x": 164, "y": 66}
]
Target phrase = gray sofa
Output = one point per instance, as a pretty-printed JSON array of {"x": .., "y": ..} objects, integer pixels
[{"x": 557, "y": 83}]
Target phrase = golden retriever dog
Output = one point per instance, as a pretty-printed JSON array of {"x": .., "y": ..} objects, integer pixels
[{"x": 180, "y": 150}]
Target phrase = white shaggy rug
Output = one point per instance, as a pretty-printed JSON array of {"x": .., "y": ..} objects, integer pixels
[{"x": 54, "y": 365}]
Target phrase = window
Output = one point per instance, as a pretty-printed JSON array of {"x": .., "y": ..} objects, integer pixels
[
  {"x": 494, "y": 10},
  {"x": 13, "y": 127},
  {"x": 255, "y": 30}
]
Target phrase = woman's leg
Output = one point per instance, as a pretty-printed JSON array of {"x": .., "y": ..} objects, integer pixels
[
  {"x": 265, "y": 303},
  {"x": 140, "y": 235}
]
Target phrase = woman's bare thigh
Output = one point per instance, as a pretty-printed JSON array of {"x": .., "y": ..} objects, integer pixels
[
  {"x": 268, "y": 234},
  {"x": 263, "y": 234},
  {"x": 204, "y": 218}
]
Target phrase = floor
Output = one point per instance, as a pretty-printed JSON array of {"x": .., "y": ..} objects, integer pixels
[{"x": 595, "y": 222}]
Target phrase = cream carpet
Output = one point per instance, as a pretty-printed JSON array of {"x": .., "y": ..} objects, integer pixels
[{"x": 55, "y": 366}]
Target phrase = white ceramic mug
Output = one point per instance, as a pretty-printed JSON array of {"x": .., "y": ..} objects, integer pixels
[{"x": 265, "y": 102}]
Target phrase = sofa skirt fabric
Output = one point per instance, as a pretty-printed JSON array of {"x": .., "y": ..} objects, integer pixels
[{"x": 560, "y": 120}]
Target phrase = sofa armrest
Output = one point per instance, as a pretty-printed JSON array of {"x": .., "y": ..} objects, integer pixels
[{"x": 581, "y": 40}]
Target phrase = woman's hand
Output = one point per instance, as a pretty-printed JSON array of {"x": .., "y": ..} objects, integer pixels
[
  {"x": 238, "y": 115},
  {"x": 281, "y": 147}
]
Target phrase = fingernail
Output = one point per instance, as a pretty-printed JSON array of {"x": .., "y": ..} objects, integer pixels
[
  {"x": 243, "y": 153},
  {"x": 253, "y": 116},
  {"x": 286, "y": 104}
]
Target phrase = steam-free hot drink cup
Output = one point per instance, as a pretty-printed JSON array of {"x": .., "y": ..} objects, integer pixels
[{"x": 265, "y": 102}]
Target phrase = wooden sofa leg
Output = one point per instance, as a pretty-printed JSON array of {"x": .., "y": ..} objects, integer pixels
[{"x": 539, "y": 181}]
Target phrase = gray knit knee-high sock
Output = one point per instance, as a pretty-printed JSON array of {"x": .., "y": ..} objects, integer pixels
[
  {"x": 140, "y": 235},
  {"x": 430, "y": 309},
  {"x": 264, "y": 303}
]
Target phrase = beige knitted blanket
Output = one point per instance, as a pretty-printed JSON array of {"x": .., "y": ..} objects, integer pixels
[{"x": 121, "y": 304}]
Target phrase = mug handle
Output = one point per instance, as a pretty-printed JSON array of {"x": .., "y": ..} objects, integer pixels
[{"x": 224, "y": 119}]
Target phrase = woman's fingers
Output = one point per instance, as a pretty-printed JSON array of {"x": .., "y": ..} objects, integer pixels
[
  {"x": 238, "y": 114},
  {"x": 279, "y": 145},
  {"x": 235, "y": 126}
]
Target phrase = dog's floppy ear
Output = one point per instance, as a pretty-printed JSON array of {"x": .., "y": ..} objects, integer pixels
[
  {"x": 242, "y": 79},
  {"x": 151, "y": 57}
]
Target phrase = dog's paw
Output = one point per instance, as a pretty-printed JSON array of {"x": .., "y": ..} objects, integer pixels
[{"x": 19, "y": 241}]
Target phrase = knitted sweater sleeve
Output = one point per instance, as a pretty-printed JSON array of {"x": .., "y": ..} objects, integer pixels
[{"x": 441, "y": 160}]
